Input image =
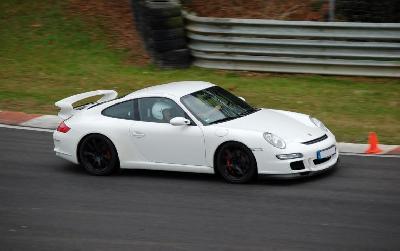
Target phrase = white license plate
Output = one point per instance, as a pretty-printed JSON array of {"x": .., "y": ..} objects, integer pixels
[{"x": 326, "y": 152}]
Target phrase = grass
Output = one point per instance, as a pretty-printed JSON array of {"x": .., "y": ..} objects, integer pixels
[{"x": 47, "y": 54}]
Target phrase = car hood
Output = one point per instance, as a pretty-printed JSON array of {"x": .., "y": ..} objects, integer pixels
[{"x": 292, "y": 127}]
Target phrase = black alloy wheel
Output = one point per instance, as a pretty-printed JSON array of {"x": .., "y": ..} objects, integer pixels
[
  {"x": 97, "y": 155},
  {"x": 236, "y": 163}
]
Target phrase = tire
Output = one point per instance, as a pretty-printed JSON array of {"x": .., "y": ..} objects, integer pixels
[
  {"x": 175, "y": 59},
  {"x": 162, "y": 9},
  {"x": 236, "y": 163},
  {"x": 165, "y": 23},
  {"x": 161, "y": 35},
  {"x": 97, "y": 155},
  {"x": 137, "y": 10},
  {"x": 168, "y": 45}
]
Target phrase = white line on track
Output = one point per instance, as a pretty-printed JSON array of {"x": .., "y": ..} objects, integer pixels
[
  {"x": 51, "y": 130},
  {"x": 26, "y": 128}
]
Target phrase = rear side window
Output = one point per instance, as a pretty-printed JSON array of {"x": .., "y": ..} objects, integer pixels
[
  {"x": 159, "y": 110},
  {"x": 123, "y": 110}
]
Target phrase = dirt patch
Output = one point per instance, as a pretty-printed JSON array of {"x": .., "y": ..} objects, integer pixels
[
  {"x": 116, "y": 19},
  {"x": 309, "y": 10}
]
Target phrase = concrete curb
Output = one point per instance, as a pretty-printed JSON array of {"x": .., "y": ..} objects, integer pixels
[
  {"x": 45, "y": 121},
  {"x": 52, "y": 121}
]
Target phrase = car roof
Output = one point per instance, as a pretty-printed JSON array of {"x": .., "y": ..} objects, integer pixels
[{"x": 177, "y": 89}]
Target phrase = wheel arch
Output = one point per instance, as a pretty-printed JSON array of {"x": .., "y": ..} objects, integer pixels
[
  {"x": 90, "y": 134},
  {"x": 228, "y": 142}
]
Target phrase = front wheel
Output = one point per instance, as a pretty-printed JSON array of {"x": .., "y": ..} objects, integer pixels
[
  {"x": 236, "y": 163},
  {"x": 97, "y": 155}
]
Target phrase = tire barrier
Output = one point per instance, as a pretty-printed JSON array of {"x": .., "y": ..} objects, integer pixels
[
  {"x": 161, "y": 26},
  {"x": 337, "y": 48}
]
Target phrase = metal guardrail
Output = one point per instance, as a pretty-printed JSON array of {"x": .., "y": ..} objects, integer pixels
[{"x": 339, "y": 48}]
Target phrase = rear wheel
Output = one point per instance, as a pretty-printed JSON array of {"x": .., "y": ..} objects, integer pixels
[
  {"x": 236, "y": 163},
  {"x": 97, "y": 155}
]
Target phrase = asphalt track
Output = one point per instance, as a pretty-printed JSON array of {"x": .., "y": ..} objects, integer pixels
[{"x": 48, "y": 204}]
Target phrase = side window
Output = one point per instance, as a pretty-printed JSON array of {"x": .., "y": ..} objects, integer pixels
[
  {"x": 159, "y": 110},
  {"x": 123, "y": 110}
]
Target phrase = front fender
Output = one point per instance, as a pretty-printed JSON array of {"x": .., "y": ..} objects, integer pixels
[{"x": 214, "y": 139}]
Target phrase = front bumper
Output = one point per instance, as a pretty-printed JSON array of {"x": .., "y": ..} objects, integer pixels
[
  {"x": 303, "y": 173},
  {"x": 269, "y": 164}
]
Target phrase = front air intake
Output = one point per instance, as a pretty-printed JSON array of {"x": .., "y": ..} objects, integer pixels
[
  {"x": 320, "y": 161},
  {"x": 313, "y": 141},
  {"x": 297, "y": 165}
]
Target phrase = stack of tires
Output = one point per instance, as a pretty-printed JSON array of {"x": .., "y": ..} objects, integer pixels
[{"x": 161, "y": 26}]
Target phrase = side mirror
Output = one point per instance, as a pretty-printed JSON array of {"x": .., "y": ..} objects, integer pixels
[
  {"x": 179, "y": 121},
  {"x": 242, "y": 99}
]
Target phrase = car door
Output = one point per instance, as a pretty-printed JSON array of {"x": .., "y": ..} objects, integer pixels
[
  {"x": 159, "y": 141},
  {"x": 117, "y": 122}
]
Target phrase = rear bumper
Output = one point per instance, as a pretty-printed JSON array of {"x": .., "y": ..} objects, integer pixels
[{"x": 64, "y": 147}]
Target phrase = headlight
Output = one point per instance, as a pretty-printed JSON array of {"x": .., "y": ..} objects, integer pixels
[
  {"x": 318, "y": 123},
  {"x": 274, "y": 140}
]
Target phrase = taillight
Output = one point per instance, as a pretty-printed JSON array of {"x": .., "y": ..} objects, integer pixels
[{"x": 63, "y": 128}]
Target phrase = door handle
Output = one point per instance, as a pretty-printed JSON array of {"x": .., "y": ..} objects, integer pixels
[{"x": 138, "y": 134}]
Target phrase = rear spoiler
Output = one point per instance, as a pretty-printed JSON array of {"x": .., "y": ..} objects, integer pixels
[{"x": 65, "y": 105}]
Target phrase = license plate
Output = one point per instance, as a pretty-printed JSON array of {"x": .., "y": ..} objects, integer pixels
[{"x": 321, "y": 154}]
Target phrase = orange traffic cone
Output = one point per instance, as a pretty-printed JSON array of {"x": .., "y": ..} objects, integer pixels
[{"x": 373, "y": 144}]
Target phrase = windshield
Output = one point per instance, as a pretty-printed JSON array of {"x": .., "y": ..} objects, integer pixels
[{"x": 215, "y": 105}]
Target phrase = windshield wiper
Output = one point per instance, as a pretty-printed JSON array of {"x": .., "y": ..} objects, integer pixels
[{"x": 222, "y": 120}]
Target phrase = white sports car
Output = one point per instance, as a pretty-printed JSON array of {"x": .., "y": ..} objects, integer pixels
[{"x": 191, "y": 126}]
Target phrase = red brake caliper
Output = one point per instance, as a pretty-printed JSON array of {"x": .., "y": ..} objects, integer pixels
[
  {"x": 108, "y": 155},
  {"x": 229, "y": 166}
]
